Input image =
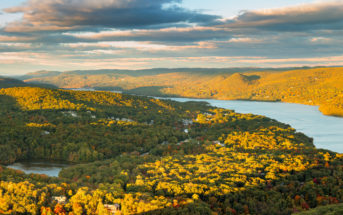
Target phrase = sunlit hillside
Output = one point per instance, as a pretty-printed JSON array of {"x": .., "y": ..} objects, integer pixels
[
  {"x": 140, "y": 155},
  {"x": 318, "y": 86},
  {"x": 171, "y": 107}
]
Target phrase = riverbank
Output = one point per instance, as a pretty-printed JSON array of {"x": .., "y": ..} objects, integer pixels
[
  {"x": 325, "y": 130},
  {"x": 49, "y": 168}
]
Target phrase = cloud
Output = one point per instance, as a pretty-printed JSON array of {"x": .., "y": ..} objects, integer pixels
[
  {"x": 246, "y": 40},
  {"x": 6, "y": 38},
  {"x": 77, "y": 34},
  {"x": 315, "y": 16},
  {"x": 44, "y": 61},
  {"x": 107, "y": 47},
  {"x": 64, "y": 15},
  {"x": 185, "y": 34},
  {"x": 321, "y": 40}
]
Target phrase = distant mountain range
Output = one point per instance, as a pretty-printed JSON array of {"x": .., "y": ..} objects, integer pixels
[
  {"x": 313, "y": 86},
  {"x": 144, "y": 72}
]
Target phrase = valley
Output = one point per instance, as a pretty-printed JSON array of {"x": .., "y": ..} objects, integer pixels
[
  {"x": 152, "y": 156},
  {"x": 171, "y": 107}
]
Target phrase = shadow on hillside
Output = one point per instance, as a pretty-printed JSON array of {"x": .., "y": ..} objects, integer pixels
[
  {"x": 8, "y": 103},
  {"x": 10, "y": 82}
]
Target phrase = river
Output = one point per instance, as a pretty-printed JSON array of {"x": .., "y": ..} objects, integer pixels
[{"x": 327, "y": 131}]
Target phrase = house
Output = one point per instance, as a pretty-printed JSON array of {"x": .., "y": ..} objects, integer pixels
[
  {"x": 219, "y": 143},
  {"x": 113, "y": 209},
  {"x": 126, "y": 120},
  {"x": 45, "y": 132},
  {"x": 70, "y": 113},
  {"x": 73, "y": 114},
  {"x": 187, "y": 122},
  {"x": 60, "y": 199}
]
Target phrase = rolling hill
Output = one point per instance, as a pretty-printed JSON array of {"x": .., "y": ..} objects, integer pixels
[
  {"x": 311, "y": 86},
  {"x": 147, "y": 156},
  {"x": 10, "y": 82}
]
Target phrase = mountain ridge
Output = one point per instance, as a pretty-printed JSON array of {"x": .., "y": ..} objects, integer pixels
[{"x": 322, "y": 86}]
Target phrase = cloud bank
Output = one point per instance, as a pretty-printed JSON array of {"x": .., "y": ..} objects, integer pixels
[
  {"x": 62, "y": 15},
  {"x": 108, "y": 33},
  {"x": 326, "y": 15}
]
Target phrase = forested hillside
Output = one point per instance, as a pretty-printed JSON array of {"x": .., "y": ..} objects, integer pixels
[
  {"x": 139, "y": 155},
  {"x": 9, "y": 82},
  {"x": 84, "y": 126},
  {"x": 335, "y": 209},
  {"x": 317, "y": 86}
]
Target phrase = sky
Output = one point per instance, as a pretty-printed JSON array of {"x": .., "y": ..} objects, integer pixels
[{"x": 64, "y": 35}]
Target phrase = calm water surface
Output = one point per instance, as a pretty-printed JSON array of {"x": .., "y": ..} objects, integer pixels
[
  {"x": 327, "y": 131},
  {"x": 48, "y": 168}
]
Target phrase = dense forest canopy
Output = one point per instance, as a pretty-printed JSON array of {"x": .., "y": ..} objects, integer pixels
[
  {"x": 86, "y": 126},
  {"x": 313, "y": 86},
  {"x": 335, "y": 209},
  {"x": 140, "y": 155}
]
